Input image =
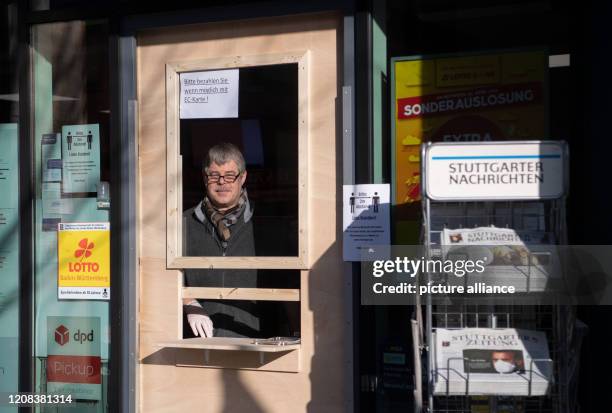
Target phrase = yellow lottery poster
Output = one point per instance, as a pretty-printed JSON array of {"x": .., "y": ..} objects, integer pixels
[
  {"x": 83, "y": 261},
  {"x": 469, "y": 98}
]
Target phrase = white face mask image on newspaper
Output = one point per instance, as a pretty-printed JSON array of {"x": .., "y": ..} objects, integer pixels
[{"x": 503, "y": 367}]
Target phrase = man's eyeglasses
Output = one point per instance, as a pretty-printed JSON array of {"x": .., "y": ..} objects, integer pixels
[{"x": 228, "y": 177}]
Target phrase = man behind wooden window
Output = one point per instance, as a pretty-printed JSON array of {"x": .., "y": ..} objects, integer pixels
[{"x": 220, "y": 225}]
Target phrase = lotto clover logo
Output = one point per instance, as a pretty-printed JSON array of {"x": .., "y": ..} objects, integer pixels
[{"x": 84, "y": 250}]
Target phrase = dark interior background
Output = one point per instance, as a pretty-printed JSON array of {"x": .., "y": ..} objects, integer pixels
[{"x": 266, "y": 132}]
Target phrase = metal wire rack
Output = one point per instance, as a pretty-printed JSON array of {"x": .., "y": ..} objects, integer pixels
[{"x": 547, "y": 219}]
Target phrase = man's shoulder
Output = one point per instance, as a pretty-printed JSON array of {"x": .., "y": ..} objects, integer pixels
[
  {"x": 194, "y": 215},
  {"x": 189, "y": 212}
]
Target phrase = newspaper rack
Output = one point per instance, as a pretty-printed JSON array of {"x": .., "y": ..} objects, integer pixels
[{"x": 542, "y": 214}]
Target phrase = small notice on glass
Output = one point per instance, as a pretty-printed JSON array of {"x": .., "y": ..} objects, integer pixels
[
  {"x": 209, "y": 94},
  {"x": 365, "y": 220}
]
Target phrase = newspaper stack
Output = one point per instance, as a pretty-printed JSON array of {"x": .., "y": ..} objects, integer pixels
[
  {"x": 503, "y": 404},
  {"x": 508, "y": 260},
  {"x": 487, "y": 361}
]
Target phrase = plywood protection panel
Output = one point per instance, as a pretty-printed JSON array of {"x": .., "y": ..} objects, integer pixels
[{"x": 318, "y": 386}]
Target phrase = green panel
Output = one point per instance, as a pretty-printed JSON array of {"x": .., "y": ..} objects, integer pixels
[{"x": 379, "y": 72}]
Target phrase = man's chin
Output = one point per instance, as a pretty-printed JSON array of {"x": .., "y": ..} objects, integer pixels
[{"x": 220, "y": 203}]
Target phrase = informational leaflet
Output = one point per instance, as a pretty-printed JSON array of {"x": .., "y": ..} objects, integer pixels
[
  {"x": 52, "y": 200},
  {"x": 51, "y": 157},
  {"x": 365, "y": 219},
  {"x": 9, "y": 230},
  {"x": 80, "y": 158},
  {"x": 83, "y": 261},
  {"x": 486, "y": 361},
  {"x": 54, "y": 206},
  {"x": 209, "y": 94},
  {"x": 9, "y": 259},
  {"x": 8, "y": 165},
  {"x": 73, "y": 362}
]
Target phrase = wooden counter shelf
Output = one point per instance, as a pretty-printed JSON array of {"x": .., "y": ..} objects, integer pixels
[{"x": 234, "y": 353}]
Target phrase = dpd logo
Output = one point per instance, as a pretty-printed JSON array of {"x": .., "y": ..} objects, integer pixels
[{"x": 62, "y": 335}]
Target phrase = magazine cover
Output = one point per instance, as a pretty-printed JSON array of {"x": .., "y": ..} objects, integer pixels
[{"x": 485, "y": 361}]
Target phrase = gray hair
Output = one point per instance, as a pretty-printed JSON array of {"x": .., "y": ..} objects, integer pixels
[{"x": 222, "y": 153}]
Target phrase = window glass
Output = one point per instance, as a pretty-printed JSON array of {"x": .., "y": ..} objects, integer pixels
[
  {"x": 266, "y": 135},
  {"x": 255, "y": 319},
  {"x": 71, "y": 135}
]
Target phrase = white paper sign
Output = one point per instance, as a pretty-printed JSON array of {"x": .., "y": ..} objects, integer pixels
[
  {"x": 365, "y": 218},
  {"x": 209, "y": 94},
  {"x": 491, "y": 170}
]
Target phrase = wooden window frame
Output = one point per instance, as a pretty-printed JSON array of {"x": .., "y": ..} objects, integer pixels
[{"x": 174, "y": 175}]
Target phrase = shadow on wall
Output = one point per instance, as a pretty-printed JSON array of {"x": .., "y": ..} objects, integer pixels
[
  {"x": 237, "y": 397},
  {"x": 328, "y": 363}
]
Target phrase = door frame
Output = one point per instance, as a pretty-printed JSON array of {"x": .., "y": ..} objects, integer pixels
[{"x": 123, "y": 388}]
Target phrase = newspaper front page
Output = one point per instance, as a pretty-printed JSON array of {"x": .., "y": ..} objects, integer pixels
[
  {"x": 484, "y": 361},
  {"x": 525, "y": 260}
]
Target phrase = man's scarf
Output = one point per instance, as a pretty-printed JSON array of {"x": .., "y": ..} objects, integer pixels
[{"x": 224, "y": 220}]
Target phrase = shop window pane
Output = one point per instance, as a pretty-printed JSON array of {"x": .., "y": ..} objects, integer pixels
[
  {"x": 9, "y": 203},
  {"x": 71, "y": 134}
]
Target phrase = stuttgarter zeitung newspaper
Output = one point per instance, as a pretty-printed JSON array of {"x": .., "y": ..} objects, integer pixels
[{"x": 488, "y": 361}]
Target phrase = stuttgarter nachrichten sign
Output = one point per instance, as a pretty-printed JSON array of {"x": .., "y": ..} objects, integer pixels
[{"x": 508, "y": 170}]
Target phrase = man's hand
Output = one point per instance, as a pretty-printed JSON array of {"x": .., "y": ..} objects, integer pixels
[{"x": 200, "y": 323}]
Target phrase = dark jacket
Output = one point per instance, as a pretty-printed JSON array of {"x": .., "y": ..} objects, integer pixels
[{"x": 230, "y": 318}]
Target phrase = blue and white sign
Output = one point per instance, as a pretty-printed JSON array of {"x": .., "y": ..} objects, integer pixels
[
  {"x": 365, "y": 220},
  {"x": 495, "y": 170}
]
